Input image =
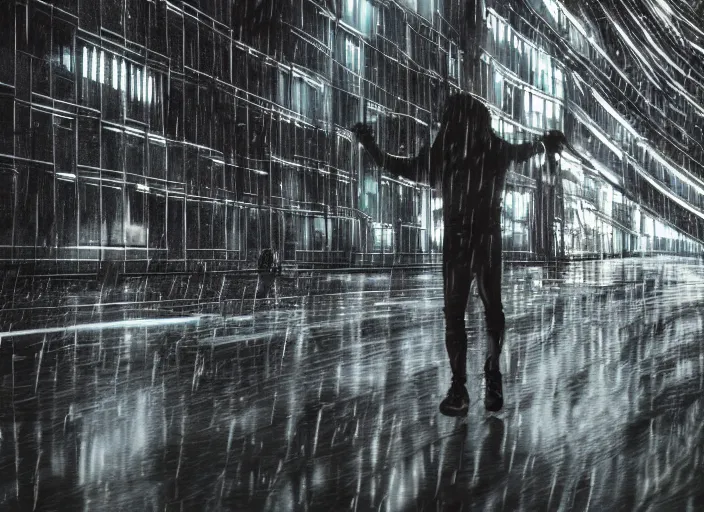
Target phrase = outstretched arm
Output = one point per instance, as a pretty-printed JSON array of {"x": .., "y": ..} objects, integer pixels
[
  {"x": 551, "y": 142},
  {"x": 410, "y": 168}
]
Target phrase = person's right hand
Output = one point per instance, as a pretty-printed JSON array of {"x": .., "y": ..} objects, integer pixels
[
  {"x": 554, "y": 141},
  {"x": 364, "y": 133}
]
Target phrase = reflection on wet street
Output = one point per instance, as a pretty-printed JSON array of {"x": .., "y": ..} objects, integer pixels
[{"x": 329, "y": 401}]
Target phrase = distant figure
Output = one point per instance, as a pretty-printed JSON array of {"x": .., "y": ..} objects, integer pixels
[
  {"x": 269, "y": 266},
  {"x": 269, "y": 261},
  {"x": 468, "y": 163}
]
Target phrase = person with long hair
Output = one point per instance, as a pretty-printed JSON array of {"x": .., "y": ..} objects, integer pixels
[{"x": 468, "y": 162}]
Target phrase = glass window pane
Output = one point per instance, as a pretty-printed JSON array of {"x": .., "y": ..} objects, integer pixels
[
  {"x": 135, "y": 221},
  {"x": 191, "y": 43},
  {"x": 89, "y": 141},
  {"x": 155, "y": 101},
  {"x": 157, "y": 160},
  {"x": 174, "y": 227},
  {"x": 7, "y": 42},
  {"x": 175, "y": 39},
  {"x": 205, "y": 225},
  {"x": 192, "y": 235},
  {"x": 89, "y": 200},
  {"x": 112, "y": 15},
  {"x": 157, "y": 220},
  {"x": 66, "y": 213},
  {"x": 112, "y": 214},
  {"x": 174, "y": 114},
  {"x": 64, "y": 144},
  {"x": 112, "y": 150},
  {"x": 114, "y": 78},
  {"x": 89, "y": 15},
  {"x": 64, "y": 72},
  {"x": 136, "y": 17},
  {"x": 42, "y": 140},
  {"x": 191, "y": 111},
  {"x": 7, "y": 106},
  {"x": 134, "y": 154},
  {"x": 175, "y": 162}
]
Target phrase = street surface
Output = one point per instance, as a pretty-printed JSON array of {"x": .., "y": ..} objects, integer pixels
[{"x": 324, "y": 396}]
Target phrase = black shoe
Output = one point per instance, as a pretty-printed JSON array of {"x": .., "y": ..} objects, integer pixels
[
  {"x": 493, "y": 390},
  {"x": 456, "y": 403}
]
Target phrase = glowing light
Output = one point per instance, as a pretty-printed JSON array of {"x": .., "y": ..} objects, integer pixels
[
  {"x": 102, "y": 67},
  {"x": 119, "y": 324},
  {"x": 115, "y": 74},
  {"x": 85, "y": 62},
  {"x": 123, "y": 76},
  {"x": 94, "y": 65}
]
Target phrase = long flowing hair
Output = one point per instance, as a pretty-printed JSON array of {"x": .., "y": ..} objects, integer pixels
[{"x": 467, "y": 119}]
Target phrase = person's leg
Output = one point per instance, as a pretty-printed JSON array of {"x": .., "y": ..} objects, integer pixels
[
  {"x": 489, "y": 287},
  {"x": 457, "y": 278}
]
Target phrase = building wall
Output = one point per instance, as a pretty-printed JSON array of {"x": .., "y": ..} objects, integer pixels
[{"x": 188, "y": 132}]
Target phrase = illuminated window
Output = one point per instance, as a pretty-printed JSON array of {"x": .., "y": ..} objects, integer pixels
[
  {"x": 552, "y": 8},
  {"x": 559, "y": 84},
  {"x": 359, "y": 14},
  {"x": 352, "y": 59},
  {"x": 452, "y": 67}
]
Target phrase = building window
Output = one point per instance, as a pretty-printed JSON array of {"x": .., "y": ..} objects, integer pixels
[
  {"x": 112, "y": 154},
  {"x": 113, "y": 16},
  {"x": 62, "y": 61},
  {"x": 89, "y": 141},
  {"x": 135, "y": 225},
  {"x": 39, "y": 31},
  {"x": 350, "y": 53},
  {"x": 175, "y": 162},
  {"x": 42, "y": 142},
  {"x": 191, "y": 112},
  {"x": 134, "y": 154},
  {"x": 89, "y": 201},
  {"x": 155, "y": 101},
  {"x": 175, "y": 227},
  {"x": 66, "y": 214},
  {"x": 112, "y": 217},
  {"x": 156, "y": 203},
  {"x": 190, "y": 58},
  {"x": 359, "y": 14},
  {"x": 136, "y": 18},
  {"x": 157, "y": 159},
  {"x": 174, "y": 113},
  {"x": 64, "y": 144},
  {"x": 175, "y": 39}
]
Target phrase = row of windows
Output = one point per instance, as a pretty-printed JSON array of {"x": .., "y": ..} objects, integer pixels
[
  {"x": 664, "y": 110},
  {"x": 519, "y": 102},
  {"x": 90, "y": 214},
  {"x": 603, "y": 118},
  {"x": 530, "y": 64},
  {"x": 623, "y": 136},
  {"x": 388, "y": 202},
  {"x": 84, "y": 145},
  {"x": 124, "y": 89}
]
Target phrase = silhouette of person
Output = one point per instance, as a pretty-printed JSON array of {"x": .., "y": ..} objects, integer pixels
[
  {"x": 468, "y": 162},
  {"x": 268, "y": 267}
]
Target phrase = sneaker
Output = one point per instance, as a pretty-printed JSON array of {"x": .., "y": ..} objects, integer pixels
[
  {"x": 456, "y": 403},
  {"x": 493, "y": 391}
]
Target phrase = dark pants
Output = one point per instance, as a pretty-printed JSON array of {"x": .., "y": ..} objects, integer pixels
[{"x": 466, "y": 253}]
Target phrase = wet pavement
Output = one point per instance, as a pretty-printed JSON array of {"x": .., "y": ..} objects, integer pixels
[{"x": 324, "y": 397}]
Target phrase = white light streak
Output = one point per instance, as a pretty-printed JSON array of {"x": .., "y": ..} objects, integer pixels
[{"x": 119, "y": 324}]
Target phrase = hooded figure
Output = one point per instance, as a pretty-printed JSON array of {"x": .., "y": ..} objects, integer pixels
[{"x": 468, "y": 162}]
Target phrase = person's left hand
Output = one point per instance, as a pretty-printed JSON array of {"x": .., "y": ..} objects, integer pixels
[{"x": 554, "y": 141}]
